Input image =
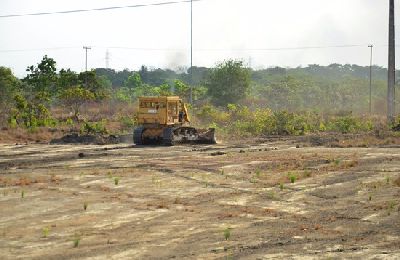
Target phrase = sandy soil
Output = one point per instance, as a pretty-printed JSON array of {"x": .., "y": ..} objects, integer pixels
[{"x": 225, "y": 201}]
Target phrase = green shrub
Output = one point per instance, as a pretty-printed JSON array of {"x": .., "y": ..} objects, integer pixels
[
  {"x": 76, "y": 241},
  {"x": 349, "y": 124},
  {"x": 127, "y": 122},
  {"x": 32, "y": 113},
  {"x": 45, "y": 231},
  {"x": 292, "y": 177},
  {"x": 94, "y": 128},
  {"x": 69, "y": 122},
  {"x": 239, "y": 120},
  {"x": 13, "y": 122},
  {"x": 227, "y": 233}
]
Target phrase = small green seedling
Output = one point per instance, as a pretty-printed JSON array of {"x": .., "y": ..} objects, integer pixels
[
  {"x": 281, "y": 187},
  {"x": 85, "y": 205},
  {"x": 76, "y": 241},
  {"x": 116, "y": 180},
  {"x": 258, "y": 173},
  {"x": 292, "y": 178},
  {"x": 387, "y": 180},
  {"x": 45, "y": 232},
  {"x": 336, "y": 162},
  {"x": 227, "y": 233},
  {"x": 390, "y": 207},
  {"x": 22, "y": 194}
]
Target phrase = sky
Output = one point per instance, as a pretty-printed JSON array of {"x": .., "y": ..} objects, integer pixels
[{"x": 262, "y": 33}]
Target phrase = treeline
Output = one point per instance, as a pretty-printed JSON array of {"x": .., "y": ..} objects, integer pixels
[
  {"x": 334, "y": 90},
  {"x": 331, "y": 72}
]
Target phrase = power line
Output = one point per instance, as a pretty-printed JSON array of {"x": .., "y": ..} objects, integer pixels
[
  {"x": 242, "y": 49},
  {"x": 289, "y": 48},
  {"x": 41, "y": 49},
  {"x": 199, "y": 49},
  {"x": 98, "y": 9}
]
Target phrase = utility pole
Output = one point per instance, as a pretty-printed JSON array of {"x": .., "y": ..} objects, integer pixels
[
  {"x": 191, "y": 53},
  {"x": 86, "y": 48},
  {"x": 107, "y": 59},
  {"x": 391, "y": 65},
  {"x": 370, "y": 80}
]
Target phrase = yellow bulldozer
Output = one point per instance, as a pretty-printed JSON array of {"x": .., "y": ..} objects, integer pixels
[{"x": 165, "y": 120}]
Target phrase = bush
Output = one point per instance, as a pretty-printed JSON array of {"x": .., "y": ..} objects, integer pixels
[
  {"x": 94, "y": 128},
  {"x": 349, "y": 124},
  {"x": 127, "y": 122},
  {"x": 241, "y": 121},
  {"x": 31, "y": 114}
]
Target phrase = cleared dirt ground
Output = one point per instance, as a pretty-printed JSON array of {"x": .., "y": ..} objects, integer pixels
[{"x": 178, "y": 202}]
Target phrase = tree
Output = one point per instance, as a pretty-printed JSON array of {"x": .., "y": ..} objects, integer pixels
[
  {"x": 144, "y": 73},
  {"x": 99, "y": 86},
  {"x": 228, "y": 82},
  {"x": 8, "y": 88},
  {"x": 40, "y": 85},
  {"x": 42, "y": 78},
  {"x": 124, "y": 94},
  {"x": 75, "y": 97},
  {"x": 196, "y": 75},
  {"x": 133, "y": 81},
  {"x": 117, "y": 78},
  {"x": 66, "y": 79},
  {"x": 181, "y": 89},
  {"x": 163, "y": 90}
]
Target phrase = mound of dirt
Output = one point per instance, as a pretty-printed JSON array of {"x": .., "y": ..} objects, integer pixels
[{"x": 86, "y": 139}]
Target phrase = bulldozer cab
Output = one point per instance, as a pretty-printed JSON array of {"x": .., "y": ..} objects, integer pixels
[{"x": 162, "y": 111}]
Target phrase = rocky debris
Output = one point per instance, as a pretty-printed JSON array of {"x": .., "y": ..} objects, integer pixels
[{"x": 217, "y": 153}]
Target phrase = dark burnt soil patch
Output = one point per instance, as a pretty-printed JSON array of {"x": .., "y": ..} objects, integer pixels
[{"x": 86, "y": 139}]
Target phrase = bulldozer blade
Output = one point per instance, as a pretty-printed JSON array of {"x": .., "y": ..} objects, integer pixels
[{"x": 206, "y": 136}]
